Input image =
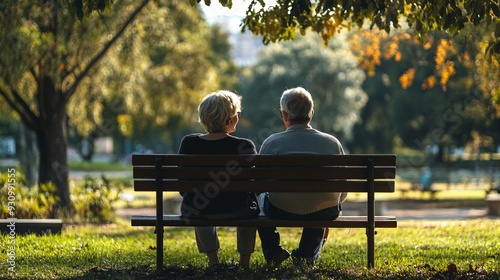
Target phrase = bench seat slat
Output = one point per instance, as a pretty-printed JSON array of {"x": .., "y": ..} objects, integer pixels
[
  {"x": 341, "y": 222},
  {"x": 242, "y": 173},
  {"x": 265, "y": 160},
  {"x": 287, "y": 186}
]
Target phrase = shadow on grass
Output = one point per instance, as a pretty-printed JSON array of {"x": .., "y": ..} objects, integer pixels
[
  {"x": 106, "y": 230},
  {"x": 293, "y": 272}
]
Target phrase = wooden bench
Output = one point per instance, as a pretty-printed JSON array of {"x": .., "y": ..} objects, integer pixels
[{"x": 209, "y": 174}]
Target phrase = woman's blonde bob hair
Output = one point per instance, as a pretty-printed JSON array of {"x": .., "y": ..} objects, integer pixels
[{"x": 216, "y": 110}]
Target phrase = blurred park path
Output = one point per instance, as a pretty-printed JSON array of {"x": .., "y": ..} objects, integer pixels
[
  {"x": 108, "y": 174},
  {"x": 403, "y": 210}
]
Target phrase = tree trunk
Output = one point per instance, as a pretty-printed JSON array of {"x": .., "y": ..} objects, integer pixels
[
  {"x": 52, "y": 140},
  {"x": 442, "y": 152},
  {"x": 86, "y": 149}
]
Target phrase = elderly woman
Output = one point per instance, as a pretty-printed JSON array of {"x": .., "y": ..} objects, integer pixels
[{"x": 219, "y": 113}]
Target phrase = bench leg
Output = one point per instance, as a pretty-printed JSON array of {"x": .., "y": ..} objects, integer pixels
[
  {"x": 159, "y": 230},
  {"x": 370, "y": 229},
  {"x": 159, "y": 248},
  {"x": 159, "y": 213}
]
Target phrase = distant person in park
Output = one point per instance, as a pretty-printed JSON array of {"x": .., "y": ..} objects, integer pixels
[
  {"x": 296, "y": 110},
  {"x": 426, "y": 179},
  {"x": 219, "y": 113}
]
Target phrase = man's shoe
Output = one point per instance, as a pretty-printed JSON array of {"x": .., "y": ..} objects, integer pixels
[
  {"x": 301, "y": 261},
  {"x": 279, "y": 258}
]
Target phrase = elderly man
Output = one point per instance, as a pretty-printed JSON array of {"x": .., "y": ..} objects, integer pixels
[{"x": 297, "y": 110}]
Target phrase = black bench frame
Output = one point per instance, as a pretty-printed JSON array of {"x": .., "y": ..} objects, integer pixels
[{"x": 368, "y": 174}]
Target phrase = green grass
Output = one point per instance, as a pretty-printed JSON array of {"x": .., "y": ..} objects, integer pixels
[{"x": 415, "y": 250}]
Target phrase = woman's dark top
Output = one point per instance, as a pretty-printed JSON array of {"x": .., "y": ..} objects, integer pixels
[{"x": 197, "y": 205}]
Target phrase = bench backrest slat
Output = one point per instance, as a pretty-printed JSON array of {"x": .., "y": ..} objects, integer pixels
[
  {"x": 262, "y": 186},
  {"x": 268, "y": 173},
  {"x": 265, "y": 160}
]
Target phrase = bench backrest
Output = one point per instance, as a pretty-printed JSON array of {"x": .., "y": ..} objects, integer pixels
[{"x": 285, "y": 173}]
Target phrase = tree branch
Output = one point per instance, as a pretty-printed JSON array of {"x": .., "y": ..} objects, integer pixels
[
  {"x": 28, "y": 117},
  {"x": 106, "y": 47}
]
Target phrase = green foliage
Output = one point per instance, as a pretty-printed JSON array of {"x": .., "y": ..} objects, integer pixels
[
  {"x": 8, "y": 123},
  {"x": 415, "y": 250},
  {"x": 93, "y": 199},
  {"x": 35, "y": 202},
  {"x": 279, "y": 21},
  {"x": 224, "y": 3},
  {"x": 47, "y": 54},
  {"x": 156, "y": 72},
  {"x": 79, "y": 8},
  {"x": 330, "y": 74},
  {"x": 219, "y": 55},
  {"x": 426, "y": 94},
  {"x": 149, "y": 85}
]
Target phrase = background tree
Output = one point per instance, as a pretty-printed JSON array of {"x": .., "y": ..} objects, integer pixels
[
  {"x": 281, "y": 19},
  {"x": 149, "y": 84},
  {"x": 45, "y": 56},
  {"x": 330, "y": 74},
  {"x": 327, "y": 17},
  {"x": 80, "y": 69},
  {"x": 429, "y": 91},
  {"x": 284, "y": 19}
]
